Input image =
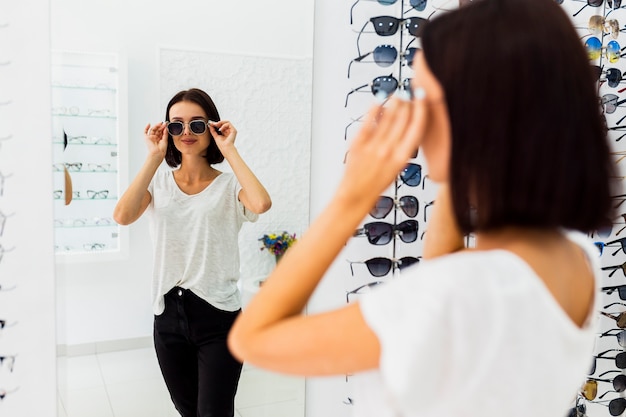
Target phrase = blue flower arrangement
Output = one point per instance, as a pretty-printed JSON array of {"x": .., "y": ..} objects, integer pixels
[{"x": 277, "y": 244}]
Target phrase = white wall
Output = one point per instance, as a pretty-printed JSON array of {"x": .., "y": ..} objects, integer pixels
[{"x": 111, "y": 300}]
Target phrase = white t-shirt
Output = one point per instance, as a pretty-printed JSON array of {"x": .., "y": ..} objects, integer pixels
[
  {"x": 195, "y": 239},
  {"x": 474, "y": 334}
]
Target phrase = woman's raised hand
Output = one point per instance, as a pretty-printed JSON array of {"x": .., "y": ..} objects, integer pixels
[
  {"x": 156, "y": 138},
  {"x": 380, "y": 151}
]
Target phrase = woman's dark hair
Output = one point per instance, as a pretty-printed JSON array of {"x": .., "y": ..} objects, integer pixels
[
  {"x": 529, "y": 147},
  {"x": 213, "y": 155}
]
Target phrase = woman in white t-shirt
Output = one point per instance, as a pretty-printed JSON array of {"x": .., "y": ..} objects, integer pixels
[
  {"x": 196, "y": 213},
  {"x": 505, "y": 112}
]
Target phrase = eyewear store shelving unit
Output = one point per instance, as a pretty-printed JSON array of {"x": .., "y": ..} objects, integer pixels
[{"x": 89, "y": 128}]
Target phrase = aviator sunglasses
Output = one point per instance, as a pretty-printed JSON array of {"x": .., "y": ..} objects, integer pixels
[
  {"x": 384, "y": 205},
  {"x": 197, "y": 127},
  {"x": 612, "y": 50},
  {"x": 381, "y": 233}
]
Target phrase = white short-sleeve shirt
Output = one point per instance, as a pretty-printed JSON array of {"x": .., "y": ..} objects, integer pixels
[
  {"x": 474, "y": 333},
  {"x": 195, "y": 239}
]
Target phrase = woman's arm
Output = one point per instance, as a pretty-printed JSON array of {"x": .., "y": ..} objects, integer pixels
[
  {"x": 272, "y": 332},
  {"x": 444, "y": 235},
  {"x": 253, "y": 194},
  {"x": 133, "y": 203}
]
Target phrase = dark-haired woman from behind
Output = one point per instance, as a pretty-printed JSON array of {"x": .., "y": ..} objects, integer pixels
[{"x": 505, "y": 112}]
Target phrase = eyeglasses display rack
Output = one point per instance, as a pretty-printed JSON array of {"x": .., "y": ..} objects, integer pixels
[{"x": 89, "y": 114}]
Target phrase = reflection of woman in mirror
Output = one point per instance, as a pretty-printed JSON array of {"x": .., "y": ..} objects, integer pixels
[
  {"x": 195, "y": 213},
  {"x": 505, "y": 112}
]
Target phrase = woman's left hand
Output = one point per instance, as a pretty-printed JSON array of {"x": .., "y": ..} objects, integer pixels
[{"x": 226, "y": 136}]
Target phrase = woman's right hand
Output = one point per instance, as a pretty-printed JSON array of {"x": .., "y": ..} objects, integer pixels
[{"x": 156, "y": 139}]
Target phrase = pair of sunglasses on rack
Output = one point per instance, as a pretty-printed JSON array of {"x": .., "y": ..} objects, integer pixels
[
  {"x": 621, "y": 290},
  {"x": 590, "y": 388},
  {"x": 418, "y": 5},
  {"x": 615, "y": 268},
  {"x": 383, "y": 86},
  {"x": 389, "y": 25},
  {"x": 385, "y": 56},
  {"x": 619, "y": 334},
  {"x": 362, "y": 289},
  {"x": 379, "y": 266},
  {"x": 612, "y": 76},
  {"x": 613, "y": 4},
  {"x": 408, "y": 204},
  {"x": 612, "y": 50},
  {"x": 620, "y": 318},
  {"x": 600, "y": 25},
  {"x": 197, "y": 127},
  {"x": 381, "y": 233},
  {"x": 620, "y": 243},
  {"x": 610, "y": 103},
  {"x": 620, "y": 359}
]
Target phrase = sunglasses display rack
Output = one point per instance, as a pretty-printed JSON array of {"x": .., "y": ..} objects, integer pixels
[
  {"x": 88, "y": 115},
  {"x": 600, "y": 25},
  {"x": 387, "y": 36}
]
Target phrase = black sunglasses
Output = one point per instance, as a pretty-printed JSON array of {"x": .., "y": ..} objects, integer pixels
[
  {"x": 384, "y": 85},
  {"x": 385, "y": 56},
  {"x": 411, "y": 175},
  {"x": 615, "y": 268},
  {"x": 389, "y": 25},
  {"x": 418, "y": 5},
  {"x": 621, "y": 290},
  {"x": 613, "y": 4},
  {"x": 621, "y": 242},
  {"x": 380, "y": 267},
  {"x": 620, "y": 335},
  {"x": 381, "y": 233},
  {"x": 620, "y": 359},
  {"x": 384, "y": 205}
]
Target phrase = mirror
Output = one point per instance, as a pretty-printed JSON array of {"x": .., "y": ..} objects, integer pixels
[{"x": 258, "y": 71}]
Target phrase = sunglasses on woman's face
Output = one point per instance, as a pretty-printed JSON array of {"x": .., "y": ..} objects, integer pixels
[
  {"x": 385, "y": 56},
  {"x": 418, "y": 5},
  {"x": 380, "y": 267},
  {"x": 197, "y": 127},
  {"x": 381, "y": 233},
  {"x": 384, "y": 205}
]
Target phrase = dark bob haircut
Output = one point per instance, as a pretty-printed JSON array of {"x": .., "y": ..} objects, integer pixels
[
  {"x": 213, "y": 155},
  {"x": 529, "y": 144}
]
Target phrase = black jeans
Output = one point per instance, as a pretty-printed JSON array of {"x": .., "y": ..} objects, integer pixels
[{"x": 199, "y": 371}]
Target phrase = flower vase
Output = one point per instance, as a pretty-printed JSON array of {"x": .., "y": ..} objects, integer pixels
[{"x": 278, "y": 257}]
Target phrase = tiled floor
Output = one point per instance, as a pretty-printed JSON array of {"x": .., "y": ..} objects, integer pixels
[{"x": 129, "y": 384}]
